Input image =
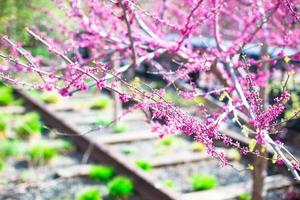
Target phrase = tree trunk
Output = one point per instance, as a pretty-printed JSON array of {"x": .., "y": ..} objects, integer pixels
[{"x": 258, "y": 176}]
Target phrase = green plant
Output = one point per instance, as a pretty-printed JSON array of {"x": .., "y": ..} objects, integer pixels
[
  {"x": 2, "y": 123},
  {"x": 63, "y": 145},
  {"x": 103, "y": 122},
  {"x": 159, "y": 85},
  {"x": 234, "y": 154},
  {"x": 168, "y": 140},
  {"x": 90, "y": 193},
  {"x": 50, "y": 97},
  {"x": 204, "y": 182},
  {"x": 144, "y": 165},
  {"x": 120, "y": 188},
  {"x": 169, "y": 183},
  {"x": 10, "y": 148},
  {"x": 198, "y": 147},
  {"x": 101, "y": 173},
  {"x": 245, "y": 196},
  {"x": 28, "y": 125},
  {"x": 128, "y": 150},
  {"x": 41, "y": 154},
  {"x": 120, "y": 128},
  {"x": 1, "y": 165},
  {"x": 6, "y": 96},
  {"x": 100, "y": 103}
]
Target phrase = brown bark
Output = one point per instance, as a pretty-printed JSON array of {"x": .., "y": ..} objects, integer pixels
[{"x": 258, "y": 176}]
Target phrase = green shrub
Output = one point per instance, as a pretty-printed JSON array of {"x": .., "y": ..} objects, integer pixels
[
  {"x": 204, "y": 182},
  {"x": 101, "y": 173},
  {"x": 144, "y": 165},
  {"x": 100, "y": 103},
  {"x": 90, "y": 193},
  {"x": 41, "y": 154},
  {"x": 120, "y": 128},
  {"x": 6, "y": 96},
  {"x": 120, "y": 188},
  {"x": 245, "y": 196},
  {"x": 29, "y": 125},
  {"x": 50, "y": 97}
]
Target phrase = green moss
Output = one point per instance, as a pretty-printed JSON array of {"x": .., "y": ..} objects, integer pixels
[
  {"x": 28, "y": 125},
  {"x": 41, "y": 154},
  {"x": 120, "y": 128},
  {"x": 245, "y": 196},
  {"x": 6, "y": 96},
  {"x": 100, "y": 103},
  {"x": 101, "y": 173},
  {"x": 90, "y": 193},
  {"x": 144, "y": 165},
  {"x": 204, "y": 182},
  {"x": 120, "y": 188}
]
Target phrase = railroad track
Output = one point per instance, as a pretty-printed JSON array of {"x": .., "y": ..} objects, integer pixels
[{"x": 73, "y": 118}]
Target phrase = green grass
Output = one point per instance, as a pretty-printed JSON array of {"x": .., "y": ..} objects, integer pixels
[
  {"x": 204, "y": 182},
  {"x": 28, "y": 125},
  {"x": 6, "y": 96},
  {"x": 100, "y": 103},
  {"x": 144, "y": 165},
  {"x": 101, "y": 173},
  {"x": 90, "y": 193},
  {"x": 120, "y": 188},
  {"x": 41, "y": 154}
]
